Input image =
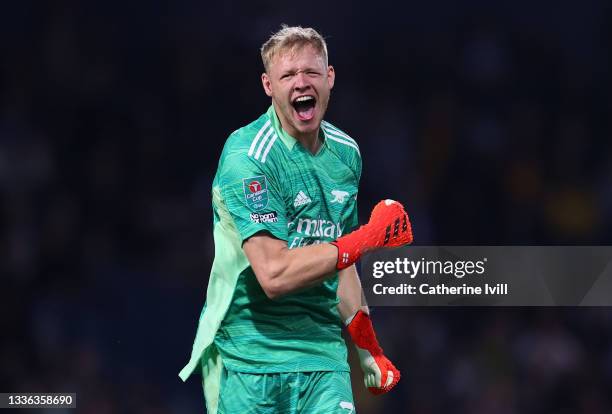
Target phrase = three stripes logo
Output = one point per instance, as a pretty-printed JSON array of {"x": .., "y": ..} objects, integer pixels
[
  {"x": 263, "y": 142},
  {"x": 334, "y": 134},
  {"x": 266, "y": 137},
  {"x": 396, "y": 228}
]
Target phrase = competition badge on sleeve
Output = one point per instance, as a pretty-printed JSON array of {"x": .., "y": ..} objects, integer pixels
[{"x": 256, "y": 192}]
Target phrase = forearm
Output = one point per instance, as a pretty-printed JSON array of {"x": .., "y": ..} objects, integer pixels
[{"x": 350, "y": 294}]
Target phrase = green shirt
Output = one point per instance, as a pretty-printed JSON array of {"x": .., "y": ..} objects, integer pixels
[{"x": 267, "y": 181}]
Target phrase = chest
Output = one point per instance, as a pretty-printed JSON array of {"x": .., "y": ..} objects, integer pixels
[{"x": 320, "y": 198}]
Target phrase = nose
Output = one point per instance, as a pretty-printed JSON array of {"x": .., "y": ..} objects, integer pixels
[{"x": 301, "y": 81}]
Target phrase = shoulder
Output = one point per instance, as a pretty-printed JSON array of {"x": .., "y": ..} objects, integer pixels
[
  {"x": 340, "y": 139},
  {"x": 343, "y": 144},
  {"x": 251, "y": 143},
  {"x": 249, "y": 151},
  {"x": 240, "y": 140}
]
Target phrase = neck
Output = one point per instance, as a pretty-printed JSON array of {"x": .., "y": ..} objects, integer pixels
[{"x": 310, "y": 141}]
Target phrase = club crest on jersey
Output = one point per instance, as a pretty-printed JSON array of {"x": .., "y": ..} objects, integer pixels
[
  {"x": 256, "y": 192},
  {"x": 339, "y": 196}
]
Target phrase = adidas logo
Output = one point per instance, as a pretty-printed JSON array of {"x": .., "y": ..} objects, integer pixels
[{"x": 301, "y": 199}]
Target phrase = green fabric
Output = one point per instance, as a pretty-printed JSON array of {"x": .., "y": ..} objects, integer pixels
[
  {"x": 286, "y": 393},
  {"x": 212, "y": 369},
  {"x": 229, "y": 259},
  {"x": 266, "y": 181}
]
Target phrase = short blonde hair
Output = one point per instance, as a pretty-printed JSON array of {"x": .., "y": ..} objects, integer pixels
[{"x": 291, "y": 37}]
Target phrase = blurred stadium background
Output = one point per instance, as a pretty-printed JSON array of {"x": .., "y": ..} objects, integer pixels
[{"x": 490, "y": 121}]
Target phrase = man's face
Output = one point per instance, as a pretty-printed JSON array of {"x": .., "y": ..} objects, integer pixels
[{"x": 299, "y": 83}]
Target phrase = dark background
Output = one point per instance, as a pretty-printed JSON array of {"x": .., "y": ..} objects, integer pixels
[{"x": 491, "y": 122}]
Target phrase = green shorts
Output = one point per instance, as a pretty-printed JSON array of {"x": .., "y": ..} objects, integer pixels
[{"x": 286, "y": 393}]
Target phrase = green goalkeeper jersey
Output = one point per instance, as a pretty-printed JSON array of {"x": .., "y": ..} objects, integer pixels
[{"x": 267, "y": 181}]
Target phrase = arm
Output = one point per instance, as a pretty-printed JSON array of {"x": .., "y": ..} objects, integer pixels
[
  {"x": 350, "y": 294},
  {"x": 380, "y": 375},
  {"x": 280, "y": 270}
]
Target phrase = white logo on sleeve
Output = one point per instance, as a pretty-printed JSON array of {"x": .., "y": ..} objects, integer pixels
[
  {"x": 339, "y": 196},
  {"x": 301, "y": 199},
  {"x": 345, "y": 405}
]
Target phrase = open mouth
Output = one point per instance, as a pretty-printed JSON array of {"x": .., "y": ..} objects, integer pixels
[{"x": 304, "y": 107}]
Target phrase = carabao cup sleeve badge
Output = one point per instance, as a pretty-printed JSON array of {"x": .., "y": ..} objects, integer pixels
[{"x": 256, "y": 192}]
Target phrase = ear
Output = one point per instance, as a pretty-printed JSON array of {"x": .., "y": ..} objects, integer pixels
[
  {"x": 267, "y": 85},
  {"x": 331, "y": 76}
]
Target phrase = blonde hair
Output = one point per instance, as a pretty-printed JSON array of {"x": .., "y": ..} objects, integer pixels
[{"x": 292, "y": 37}]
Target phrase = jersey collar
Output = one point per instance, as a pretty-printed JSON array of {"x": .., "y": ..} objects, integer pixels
[{"x": 287, "y": 139}]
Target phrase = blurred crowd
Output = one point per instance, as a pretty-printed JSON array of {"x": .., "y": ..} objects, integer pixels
[{"x": 490, "y": 122}]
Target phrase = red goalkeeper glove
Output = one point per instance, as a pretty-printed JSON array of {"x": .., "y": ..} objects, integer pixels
[
  {"x": 379, "y": 374},
  {"x": 389, "y": 226}
]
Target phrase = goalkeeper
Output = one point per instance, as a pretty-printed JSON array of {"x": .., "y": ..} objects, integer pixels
[{"x": 286, "y": 235}]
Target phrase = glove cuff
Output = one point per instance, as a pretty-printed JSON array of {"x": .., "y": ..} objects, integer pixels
[
  {"x": 362, "y": 333},
  {"x": 349, "y": 248}
]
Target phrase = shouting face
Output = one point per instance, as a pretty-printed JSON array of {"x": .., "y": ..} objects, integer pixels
[{"x": 299, "y": 82}]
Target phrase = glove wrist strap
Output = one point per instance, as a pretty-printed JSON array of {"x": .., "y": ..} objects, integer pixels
[{"x": 362, "y": 333}]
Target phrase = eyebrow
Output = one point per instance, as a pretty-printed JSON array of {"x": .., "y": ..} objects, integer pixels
[{"x": 292, "y": 71}]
